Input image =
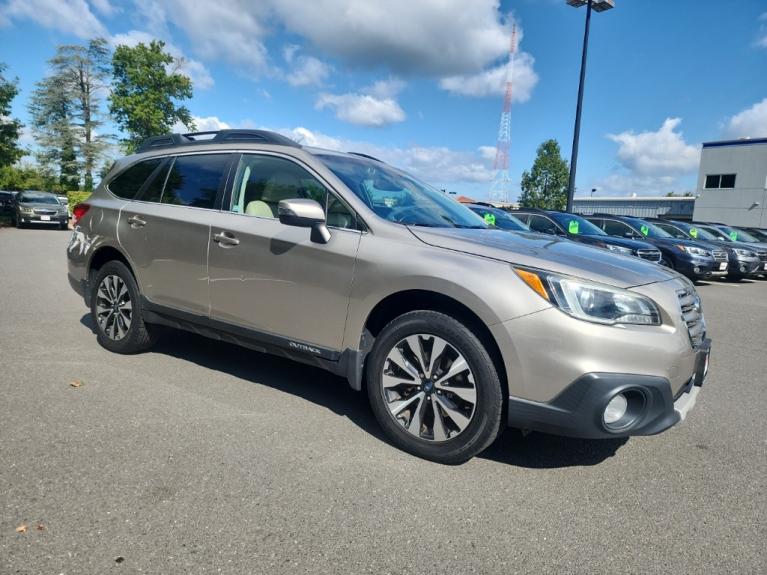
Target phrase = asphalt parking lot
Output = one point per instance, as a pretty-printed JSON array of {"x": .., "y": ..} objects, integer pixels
[{"x": 204, "y": 458}]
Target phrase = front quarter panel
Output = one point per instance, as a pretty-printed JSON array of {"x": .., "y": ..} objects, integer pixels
[{"x": 387, "y": 266}]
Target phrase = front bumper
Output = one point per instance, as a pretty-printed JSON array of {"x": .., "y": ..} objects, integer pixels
[
  {"x": 578, "y": 410},
  {"x": 37, "y": 219}
]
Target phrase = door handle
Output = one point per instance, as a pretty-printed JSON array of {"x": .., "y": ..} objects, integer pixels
[
  {"x": 136, "y": 222},
  {"x": 225, "y": 239}
]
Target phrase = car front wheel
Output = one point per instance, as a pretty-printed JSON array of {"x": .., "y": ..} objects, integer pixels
[
  {"x": 116, "y": 311},
  {"x": 434, "y": 388}
]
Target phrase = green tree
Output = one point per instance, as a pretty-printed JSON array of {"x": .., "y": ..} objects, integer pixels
[
  {"x": 545, "y": 185},
  {"x": 21, "y": 178},
  {"x": 85, "y": 70},
  {"x": 51, "y": 111},
  {"x": 10, "y": 128},
  {"x": 146, "y": 89}
]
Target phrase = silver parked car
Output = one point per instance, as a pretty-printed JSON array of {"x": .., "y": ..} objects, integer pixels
[
  {"x": 454, "y": 329},
  {"x": 33, "y": 207}
]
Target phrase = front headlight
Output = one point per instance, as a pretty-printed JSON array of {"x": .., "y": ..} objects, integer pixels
[
  {"x": 694, "y": 251},
  {"x": 590, "y": 301},
  {"x": 620, "y": 250},
  {"x": 744, "y": 253}
]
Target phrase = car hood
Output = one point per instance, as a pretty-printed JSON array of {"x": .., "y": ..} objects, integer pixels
[
  {"x": 671, "y": 242},
  {"x": 623, "y": 242},
  {"x": 547, "y": 252}
]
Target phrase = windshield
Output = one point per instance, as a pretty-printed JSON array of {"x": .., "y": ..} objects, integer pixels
[
  {"x": 648, "y": 230},
  {"x": 37, "y": 198},
  {"x": 399, "y": 198},
  {"x": 717, "y": 234},
  {"x": 500, "y": 219},
  {"x": 738, "y": 235},
  {"x": 700, "y": 233},
  {"x": 577, "y": 225}
]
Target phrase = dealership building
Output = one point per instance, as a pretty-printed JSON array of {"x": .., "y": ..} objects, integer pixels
[
  {"x": 672, "y": 208},
  {"x": 732, "y": 183}
]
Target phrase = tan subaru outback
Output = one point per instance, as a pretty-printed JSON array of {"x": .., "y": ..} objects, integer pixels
[{"x": 453, "y": 328}]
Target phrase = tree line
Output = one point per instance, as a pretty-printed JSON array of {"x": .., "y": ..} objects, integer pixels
[{"x": 140, "y": 89}]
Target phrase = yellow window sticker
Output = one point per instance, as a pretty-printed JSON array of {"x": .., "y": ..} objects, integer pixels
[
  {"x": 734, "y": 236},
  {"x": 645, "y": 230},
  {"x": 490, "y": 218},
  {"x": 694, "y": 232},
  {"x": 573, "y": 226}
]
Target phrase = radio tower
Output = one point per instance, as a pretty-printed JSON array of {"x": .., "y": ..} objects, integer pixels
[{"x": 501, "y": 186}]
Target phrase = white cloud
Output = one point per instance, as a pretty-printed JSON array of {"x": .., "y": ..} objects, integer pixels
[
  {"x": 372, "y": 106},
  {"x": 436, "y": 165},
  {"x": 750, "y": 123},
  {"x": 194, "y": 69},
  {"x": 624, "y": 184},
  {"x": 431, "y": 37},
  {"x": 233, "y": 30},
  {"x": 305, "y": 70},
  {"x": 761, "y": 40},
  {"x": 660, "y": 153},
  {"x": 202, "y": 124},
  {"x": 104, "y": 7},
  {"x": 70, "y": 16},
  {"x": 492, "y": 82}
]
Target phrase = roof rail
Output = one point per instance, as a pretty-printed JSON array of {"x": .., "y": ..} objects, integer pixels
[
  {"x": 218, "y": 137},
  {"x": 521, "y": 209},
  {"x": 368, "y": 156}
]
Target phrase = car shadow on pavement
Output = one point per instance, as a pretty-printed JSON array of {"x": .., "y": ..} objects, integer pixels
[
  {"x": 544, "y": 451},
  {"x": 535, "y": 450}
]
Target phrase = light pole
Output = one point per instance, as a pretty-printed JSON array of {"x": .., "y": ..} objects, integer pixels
[{"x": 598, "y": 6}]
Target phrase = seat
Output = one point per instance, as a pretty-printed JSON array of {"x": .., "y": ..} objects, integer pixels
[
  {"x": 338, "y": 214},
  {"x": 281, "y": 186}
]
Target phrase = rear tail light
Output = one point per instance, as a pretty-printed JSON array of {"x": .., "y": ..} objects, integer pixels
[{"x": 79, "y": 211}]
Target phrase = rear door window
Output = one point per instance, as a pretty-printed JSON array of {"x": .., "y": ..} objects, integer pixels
[
  {"x": 616, "y": 228},
  {"x": 128, "y": 183},
  {"x": 195, "y": 181},
  {"x": 542, "y": 225}
]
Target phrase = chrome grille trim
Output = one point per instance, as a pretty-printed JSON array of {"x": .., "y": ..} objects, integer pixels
[
  {"x": 692, "y": 315},
  {"x": 651, "y": 255},
  {"x": 762, "y": 256},
  {"x": 45, "y": 212},
  {"x": 720, "y": 256}
]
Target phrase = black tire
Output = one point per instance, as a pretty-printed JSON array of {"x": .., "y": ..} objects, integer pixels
[
  {"x": 19, "y": 225},
  {"x": 485, "y": 423},
  {"x": 139, "y": 336},
  {"x": 64, "y": 226}
]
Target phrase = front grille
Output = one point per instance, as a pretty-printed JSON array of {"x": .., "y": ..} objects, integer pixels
[
  {"x": 652, "y": 255},
  {"x": 44, "y": 212},
  {"x": 763, "y": 256},
  {"x": 692, "y": 315},
  {"x": 720, "y": 256}
]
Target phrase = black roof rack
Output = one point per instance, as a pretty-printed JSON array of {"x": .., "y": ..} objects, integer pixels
[
  {"x": 217, "y": 137},
  {"x": 368, "y": 156}
]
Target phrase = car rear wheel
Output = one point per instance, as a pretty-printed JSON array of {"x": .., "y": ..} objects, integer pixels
[
  {"x": 434, "y": 388},
  {"x": 116, "y": 311}
]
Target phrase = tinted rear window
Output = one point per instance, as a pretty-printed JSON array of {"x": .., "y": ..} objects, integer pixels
[
  {"x": 129, "y": 182},
  {"x": 194, "y": 180}
]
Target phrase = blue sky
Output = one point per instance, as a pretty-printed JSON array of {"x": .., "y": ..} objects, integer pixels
[{"x": 419, "y": 83}]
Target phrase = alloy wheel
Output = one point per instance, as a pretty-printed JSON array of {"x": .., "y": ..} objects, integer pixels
[
  {"x": 429, "y": 388},
  {"x": 114, "y": 309}
]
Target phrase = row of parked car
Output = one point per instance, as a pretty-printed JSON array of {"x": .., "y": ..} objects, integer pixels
[
  {"x": 35, "y": 207},
  {"x": 698, "y": 250}
]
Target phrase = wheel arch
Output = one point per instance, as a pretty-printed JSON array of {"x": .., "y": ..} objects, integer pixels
[
  {"x": 401, "y": 302},
  {"x": 101, "y": 256}
]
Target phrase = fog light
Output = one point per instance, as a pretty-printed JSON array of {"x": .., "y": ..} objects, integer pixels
[
  {"x": 696, "y": 269},
  {"x": 616, "y": 409}
]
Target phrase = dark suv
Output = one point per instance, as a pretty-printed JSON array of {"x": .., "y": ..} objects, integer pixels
[
  {"x": 728, "y": 236},
  {"x": 694, "y": 260},
  {"x": 497, "y": 217},
  {"x": 579, "y": 229},
  {"x": 744, "y": 258}
]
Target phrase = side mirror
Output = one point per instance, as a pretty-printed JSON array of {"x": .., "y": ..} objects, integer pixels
[{"x": 304, "y": 213}]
